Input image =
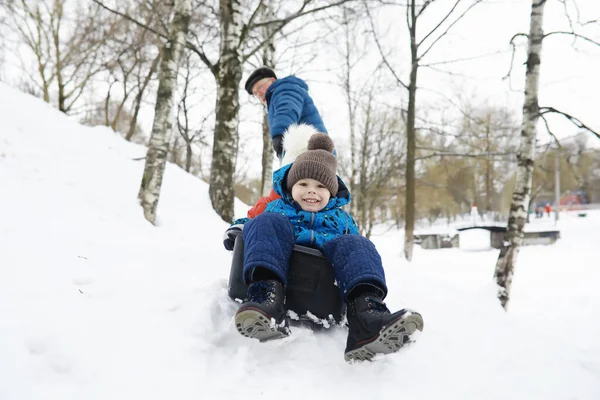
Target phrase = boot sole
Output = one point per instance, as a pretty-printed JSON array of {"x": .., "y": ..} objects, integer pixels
[
  {"x": 255, "y": 324},
  {"x": 391, "y": 338}
]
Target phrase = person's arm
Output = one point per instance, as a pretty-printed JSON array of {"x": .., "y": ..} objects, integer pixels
[
  {"x": 288, "y": 101},
  {"x": 261, "y": 204}
]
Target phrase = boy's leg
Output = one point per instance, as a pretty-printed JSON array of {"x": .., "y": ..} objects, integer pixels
[
  {"x": 268, "y": 244},
  {"x": 372, "y": 328}
]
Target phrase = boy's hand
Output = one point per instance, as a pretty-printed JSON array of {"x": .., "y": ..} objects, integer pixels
[
  {"x": 278, "y": 146},
  {"x": 230, "y": 235}
]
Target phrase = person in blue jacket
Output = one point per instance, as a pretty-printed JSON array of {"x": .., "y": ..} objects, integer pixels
[
  {"x": 287, "y": 101},
  {"x": 309, "y": 213}
]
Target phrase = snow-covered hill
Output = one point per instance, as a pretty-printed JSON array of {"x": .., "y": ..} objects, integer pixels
[{"x": 96, "y": 303}]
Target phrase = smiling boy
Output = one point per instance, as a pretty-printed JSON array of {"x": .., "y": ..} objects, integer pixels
[{"x": 310, "y": 213}]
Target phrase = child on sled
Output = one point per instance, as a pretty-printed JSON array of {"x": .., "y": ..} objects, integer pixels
[{"x": 310, "y": 213}]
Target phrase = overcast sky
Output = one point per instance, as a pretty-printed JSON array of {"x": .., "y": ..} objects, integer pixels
[{"x": 569, "y": 73}]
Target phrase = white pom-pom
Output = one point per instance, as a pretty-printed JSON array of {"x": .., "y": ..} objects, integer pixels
[{"x": 295, "y": 141}]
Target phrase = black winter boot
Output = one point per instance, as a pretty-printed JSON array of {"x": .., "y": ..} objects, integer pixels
[
  {"x": 263, "y": 316},
  {"x": 372, "y": 329}
]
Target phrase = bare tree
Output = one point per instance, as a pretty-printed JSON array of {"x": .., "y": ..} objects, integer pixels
[
  {"x": 65, "y": 41},
  {"x": 185, "y": 107},
  {"x": 143, "y": 80},
  {"x": 132, "y": 57},
  {"x": 268, "y": 59},
  {"x": 520, "y": 199},
  {"x": 120, "y": 74},
  {"x": 490, "y": 134},
  {"x": 419, "y": 48},
  {"x": 379, "y": 157},
  {"x": 266, "y": 179},
  {"x": 239, "y": 38},
  {"x": 351, "y": 54},
  {"x": 237, "y": 45},
  {"x": 463, "y": 160},
  {"x": 30, "y": 24},
  {"x": 158, "y": 148},
  {"x": 2, "y": 42},
  {"x": 525, "y": 159}
]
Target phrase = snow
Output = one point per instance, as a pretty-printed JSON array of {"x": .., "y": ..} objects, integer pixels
[
  {"x": 96, "y": 303},
  {"x": 475, "y": 240}
]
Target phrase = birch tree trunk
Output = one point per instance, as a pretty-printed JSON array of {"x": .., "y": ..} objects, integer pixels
[
  {"x": 348, "y": 92},
  {"x": 225, "y": 144},
  {"x": 267, "y": 153},
  {"x": 522, "y": 192},
  {"x": 57, "y": 54},
  {"x": 409, "y": 217},
  {"x": 158, "y": 148},
  {"x": 266, "y": 182}
]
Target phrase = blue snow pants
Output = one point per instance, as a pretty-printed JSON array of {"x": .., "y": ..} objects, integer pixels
[{"x": 269, "y": 241}]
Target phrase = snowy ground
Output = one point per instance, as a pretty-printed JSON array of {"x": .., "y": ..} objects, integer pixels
[{"x": 95, "y": 303}]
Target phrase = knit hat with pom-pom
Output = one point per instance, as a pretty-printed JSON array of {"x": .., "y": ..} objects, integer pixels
[{"x": 318, "y": 163}]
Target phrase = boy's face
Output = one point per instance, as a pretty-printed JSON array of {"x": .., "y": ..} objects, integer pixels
[{"x": 312, "y": 195}]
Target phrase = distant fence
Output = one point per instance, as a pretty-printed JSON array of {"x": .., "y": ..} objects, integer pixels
[
  {"x": 498, "y": 236},
  {"x": 577, "y": 207}
]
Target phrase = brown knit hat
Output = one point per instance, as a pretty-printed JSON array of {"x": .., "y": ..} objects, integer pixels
[{"x": 317, "y": 163}]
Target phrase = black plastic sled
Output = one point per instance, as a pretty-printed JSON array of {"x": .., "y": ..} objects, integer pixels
[{"x": 310, "y": 293}]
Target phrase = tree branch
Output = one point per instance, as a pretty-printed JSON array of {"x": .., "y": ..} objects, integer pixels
[
  {"x": 514, "y": 50},
  {"x": 574, "y": 120},
  {"x": 424, "y": 7},
  {"x": 471, "y": 155},
  {"x": 248, "y": 26},
  {"x": 462, "y": 59},
  {"x": 585, "y": 38},
  {"x": 383, "y": 57},
  {"x": 564, "y": 3},
  {"x": 543, "y": 117},
  {"x": 283, "y": 22},
  {"x": 214, "y": 68},
  {"x": 300, "y": 13},
  {"x": 435, "y": 28},
  {"x": 447, "y": 29},
  {"x": 130, "y": 19}
]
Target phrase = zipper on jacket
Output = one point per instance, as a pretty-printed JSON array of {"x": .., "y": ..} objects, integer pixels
[{"x": 312, "y": 232}]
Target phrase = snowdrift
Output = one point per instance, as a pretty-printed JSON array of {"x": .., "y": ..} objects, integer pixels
[{"x": 96, "y": 303}]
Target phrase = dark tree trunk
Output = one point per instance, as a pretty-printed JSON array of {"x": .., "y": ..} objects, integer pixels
[
  {"x": 267, "y": 154},
  {"x": 138, "y": 98},
  {"x": 266, "y": 182},
  {"x": 409, "y": 217},
  {"x": 225, "y": 145}
]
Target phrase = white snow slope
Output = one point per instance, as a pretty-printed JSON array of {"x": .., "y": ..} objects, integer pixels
[{"x": 96, "y": 303}]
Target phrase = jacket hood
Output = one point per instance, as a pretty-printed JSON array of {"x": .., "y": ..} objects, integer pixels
[{"x": 288, "y": 80}]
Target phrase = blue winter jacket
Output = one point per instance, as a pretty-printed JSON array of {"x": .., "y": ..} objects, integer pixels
[
  {"x": 313, "y": 229},
  {"x": 289, "y": 103}
]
